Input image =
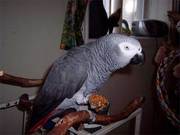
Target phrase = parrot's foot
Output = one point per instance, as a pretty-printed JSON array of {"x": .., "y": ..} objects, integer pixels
[{"x": 81, "y": 99}]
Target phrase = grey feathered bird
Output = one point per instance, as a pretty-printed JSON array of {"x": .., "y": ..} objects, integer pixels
[{"x": 81, "y": 71}]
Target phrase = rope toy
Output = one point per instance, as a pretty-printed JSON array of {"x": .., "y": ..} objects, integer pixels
[{"x": 162, "y": 91}]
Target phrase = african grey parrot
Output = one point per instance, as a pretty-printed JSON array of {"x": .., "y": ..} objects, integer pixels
[{"x": 81, "y": 71}]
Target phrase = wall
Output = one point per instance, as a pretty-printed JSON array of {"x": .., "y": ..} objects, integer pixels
[
  {"x": 157, "y": 9},
  {"x": 0, "y": 31},
  {"x": 31, "y": 36}
]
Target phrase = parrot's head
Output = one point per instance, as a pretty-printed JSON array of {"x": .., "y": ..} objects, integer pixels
[
  {"x": 127, "y": 50},
  {"x": 132, "y": 52}
]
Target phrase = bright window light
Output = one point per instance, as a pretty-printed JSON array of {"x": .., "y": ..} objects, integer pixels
[
  {"x": 133, "y": 10},
  {"x": 130, "y": 6}
]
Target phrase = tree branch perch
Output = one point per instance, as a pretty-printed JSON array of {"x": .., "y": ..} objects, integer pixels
[
  {"x": 73, "y": 118},
  {"x": 19, "y": 81}
]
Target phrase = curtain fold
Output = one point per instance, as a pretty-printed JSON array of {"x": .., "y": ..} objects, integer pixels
[{"x": 72, "y": 35}]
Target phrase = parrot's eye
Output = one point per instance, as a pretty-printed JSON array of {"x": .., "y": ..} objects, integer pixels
[
  {"x": 126, "y": 47},
  {"x": 139, "y": 49}
]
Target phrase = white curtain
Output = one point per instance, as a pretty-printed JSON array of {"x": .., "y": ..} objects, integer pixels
[
  {"x": 107, "y": 4},
  {"x": 133, "y": 10},
  {"x": 112, "y": 5}
]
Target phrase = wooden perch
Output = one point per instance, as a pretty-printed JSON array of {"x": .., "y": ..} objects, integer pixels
[
  {"x": 19, "y": 81},
  {"x": 74, "y": 118}
]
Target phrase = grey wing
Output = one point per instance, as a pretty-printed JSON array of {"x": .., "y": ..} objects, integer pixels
[{"x": 65, "y": 78}]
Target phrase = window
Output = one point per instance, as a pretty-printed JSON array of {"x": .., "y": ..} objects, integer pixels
[
  {"x": 133, "y": 10},
  {"x": 109, "y": 6}
]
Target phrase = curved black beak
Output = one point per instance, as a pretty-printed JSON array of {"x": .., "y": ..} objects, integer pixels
[{"x": 138, "y": 58}]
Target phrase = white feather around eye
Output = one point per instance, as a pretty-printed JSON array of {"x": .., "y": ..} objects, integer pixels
[{"x": 129, "y": 49}]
